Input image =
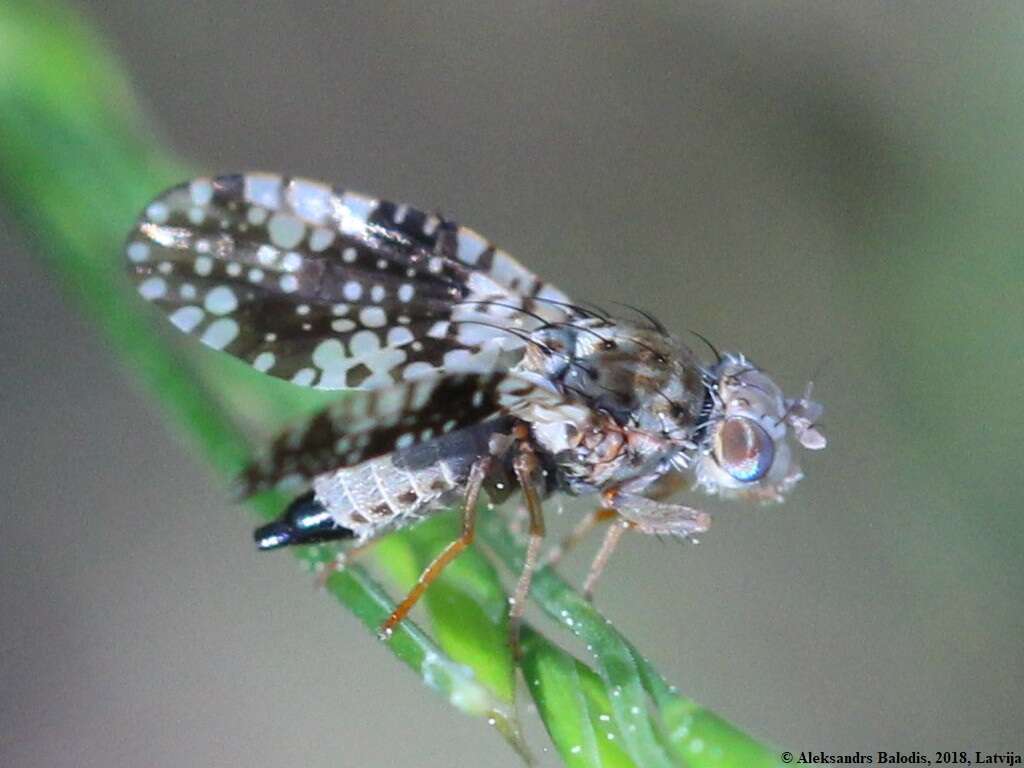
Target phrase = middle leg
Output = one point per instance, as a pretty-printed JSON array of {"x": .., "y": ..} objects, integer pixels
[{"x": 524, "y": 466}]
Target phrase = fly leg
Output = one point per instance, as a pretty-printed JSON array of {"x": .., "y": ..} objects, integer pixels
[
  {"x": 476, "y": 480},
  {"x": 580, "y": 532},
  {"x": 658, "y": 517},
  {"x": 611, "y": 541},
  {"x": 647, "y": 516},
  {"x": 524, "y": 466},
  {"x": 340, "y": 562}
]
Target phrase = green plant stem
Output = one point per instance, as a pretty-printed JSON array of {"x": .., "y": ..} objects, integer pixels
[{"x": 689, "y": 732}]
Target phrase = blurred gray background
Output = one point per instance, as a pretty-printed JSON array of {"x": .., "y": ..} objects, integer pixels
[{"x": 834, "y": 188}]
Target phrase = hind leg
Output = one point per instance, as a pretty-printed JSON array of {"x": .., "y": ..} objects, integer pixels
[{"x": 448, "y": 554}]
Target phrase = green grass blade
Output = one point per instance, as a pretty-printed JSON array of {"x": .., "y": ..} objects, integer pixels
[
  {"x": 678, "y": 731},
  {"x": 467, "y": 610},
  {"x": 466, "y": 604},
  {"x": 613, "y": 658},
  {"x": 574, "y": 704},
  {"x": 701, "y": 737}
]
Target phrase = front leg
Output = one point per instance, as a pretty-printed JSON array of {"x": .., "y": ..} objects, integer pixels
[
  {"x": 611, "y": 541},
  {"x": 657, "y": 517},
  {"x": 580, "y": 532},
  {"x": 646, "y": 515}
]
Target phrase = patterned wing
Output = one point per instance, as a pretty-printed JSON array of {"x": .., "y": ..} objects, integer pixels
[
  {"x": 329, "y": 288},
  {"x": 371, "y": 424}
]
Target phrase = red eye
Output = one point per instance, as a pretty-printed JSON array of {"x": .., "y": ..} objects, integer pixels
[{"x": 744, "y": 449}]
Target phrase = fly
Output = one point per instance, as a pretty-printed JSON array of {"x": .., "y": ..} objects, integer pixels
[{"x": 478, "y": 377}]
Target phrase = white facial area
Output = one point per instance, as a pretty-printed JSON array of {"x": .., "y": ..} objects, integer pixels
[{"x": 747, "y": 453}]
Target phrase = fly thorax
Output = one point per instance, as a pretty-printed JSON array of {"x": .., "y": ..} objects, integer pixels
[
  {"x": 600, "y": 455},
  {"x": 609, "y": 400}
]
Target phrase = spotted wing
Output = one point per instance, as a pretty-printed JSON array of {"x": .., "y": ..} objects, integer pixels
[
  {"x": 371, "y": 424},
  {"x": 332, "y": 289}
]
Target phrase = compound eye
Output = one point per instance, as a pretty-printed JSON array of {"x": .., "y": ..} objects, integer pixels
[{"x": 744, "y": 449}]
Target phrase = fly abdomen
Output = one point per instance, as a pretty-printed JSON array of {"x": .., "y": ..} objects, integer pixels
[
  {"x": 305, "y": 521},
  {"x": 396, "y": 490}
]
